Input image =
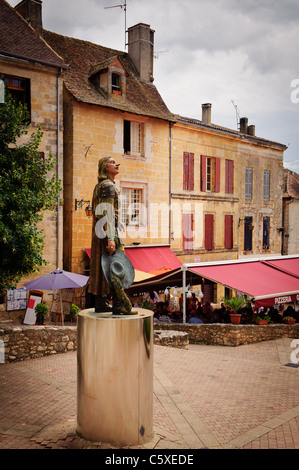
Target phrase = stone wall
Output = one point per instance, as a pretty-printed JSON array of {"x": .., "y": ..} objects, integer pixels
[
  {"x": 175, "y": 339},
  {"x": 18, "y": 343},
  {"x": 231, "y": 335},
  {"x": 22, "y": 342}
]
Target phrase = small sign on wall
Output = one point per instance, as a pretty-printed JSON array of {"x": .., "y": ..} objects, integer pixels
[{"x": 34, "y": 299}]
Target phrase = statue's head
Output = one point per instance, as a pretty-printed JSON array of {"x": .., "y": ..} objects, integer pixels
[{"x": 102, "y": 168}]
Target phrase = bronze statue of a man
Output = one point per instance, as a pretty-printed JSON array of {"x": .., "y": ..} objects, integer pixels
[{"x": 105, "y": 237}]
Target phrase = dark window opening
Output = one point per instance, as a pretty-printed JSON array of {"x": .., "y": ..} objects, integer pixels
[
  {"x": 248, "y": 234},
  {"x": 266, "y": 233},
  {"x": 19, "y": 90},
  {"x": 116, "y": 84}
]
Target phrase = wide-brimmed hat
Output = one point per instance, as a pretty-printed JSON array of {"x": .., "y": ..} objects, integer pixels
[{"x": 120, "y": 265}]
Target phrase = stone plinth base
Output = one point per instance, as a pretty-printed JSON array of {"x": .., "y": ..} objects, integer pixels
[{"x": 115, "y": 377}]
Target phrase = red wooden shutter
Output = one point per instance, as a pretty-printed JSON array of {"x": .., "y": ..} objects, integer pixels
[
  {"x": 188, "y": 232},
  {"x": 217, "y": 175},
  {"x": 228, "y": 232},
  {"x": 229, "y": 176},
  {"x": 209, "y": 232},
  {"x": 203, "y": 172},
  {"x": 186, "y": 170},
  {"x": 188, "y": 178}
]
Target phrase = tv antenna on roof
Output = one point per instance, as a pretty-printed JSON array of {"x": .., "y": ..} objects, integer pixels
[
  {"x": 237, "y": 114},
  {"x": 122, "y": 6}
]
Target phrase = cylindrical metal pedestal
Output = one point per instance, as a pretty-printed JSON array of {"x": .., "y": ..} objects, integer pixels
[{"x": 115, "y": 377}]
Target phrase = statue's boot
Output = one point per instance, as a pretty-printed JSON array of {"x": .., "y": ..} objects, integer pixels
[{"x": 101, "y": 304}]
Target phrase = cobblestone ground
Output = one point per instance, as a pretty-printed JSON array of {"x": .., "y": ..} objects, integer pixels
[{"x": 207, "y": 397}]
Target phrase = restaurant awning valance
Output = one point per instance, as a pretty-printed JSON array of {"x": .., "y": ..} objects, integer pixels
[
  {"x": 153, "y": 259},
  {"x": 270, "y": 282}
]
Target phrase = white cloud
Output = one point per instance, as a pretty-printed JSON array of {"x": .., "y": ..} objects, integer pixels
[{"x": 218, "y": 51}]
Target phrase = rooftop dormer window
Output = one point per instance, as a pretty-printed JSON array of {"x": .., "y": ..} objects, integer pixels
[{"x": 115, "y": 84}]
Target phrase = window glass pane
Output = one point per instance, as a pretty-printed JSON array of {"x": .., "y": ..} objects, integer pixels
[
  {"x": 131, "y": 200},
  {"x": 209, "y": 174}
]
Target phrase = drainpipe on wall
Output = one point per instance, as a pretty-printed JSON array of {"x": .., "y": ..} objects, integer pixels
[
  {"x": 57, "y": 174},
  {"x": 169, "y": 201}
]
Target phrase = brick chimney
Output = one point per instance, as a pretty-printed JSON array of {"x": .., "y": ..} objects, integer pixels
[
  {"x": 243, "y": 125},
  {"x": 141, "y": 50},
  {"x": 31, "y": 10},
  {"x": 206, "y": 113},
  {"x": 245, "y": 128}
]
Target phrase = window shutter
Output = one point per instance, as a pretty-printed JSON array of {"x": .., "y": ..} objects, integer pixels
[
  {"x": 188, "y": 171},
  {"x": 229, "y": 176},
  {"x": 248, "y": 183},
  {"x": 266, "y": 185},
  {"x": 209, "y": 232},
  {"x": 203, "y": 172},
  {"x": 187, "y": 232},
  {"x": 228, "y": 232},
  {"x": 135, "y": 137}
]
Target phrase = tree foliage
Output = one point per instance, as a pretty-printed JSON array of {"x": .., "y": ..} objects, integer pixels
[{"x": 27, "y": 189}]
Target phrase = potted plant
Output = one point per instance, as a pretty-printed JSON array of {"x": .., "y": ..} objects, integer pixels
[
  {"x": 41, "y": 311},
  {"x": 235, "y": 304},
  {"x": 289, "y": 320},
  {"x": 263, "y": 320},
  {"x": 73, "y": 311}
]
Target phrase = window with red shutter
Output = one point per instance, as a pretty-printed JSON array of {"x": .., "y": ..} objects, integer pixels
[
  {"x": 209, "y": 232},
  {"x": 210, "y": 174},
  {"x": 203, "y": 172},
  {"x": 228, "y": 232},
  {"x": 229, "y": 176},
  {"x": 187, "y": 232},
  {"x": 188, "y": 171}
]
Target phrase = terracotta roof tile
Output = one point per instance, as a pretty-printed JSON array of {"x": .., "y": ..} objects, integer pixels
[
  {"x": 19, "y": 40},
  {"x": 85, "y": 58},
  {"x": 292, "y": 186},
  {"x": 215, "y": 127}
]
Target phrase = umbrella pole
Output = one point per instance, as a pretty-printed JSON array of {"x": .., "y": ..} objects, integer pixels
[{"x": 62, "y": 322}]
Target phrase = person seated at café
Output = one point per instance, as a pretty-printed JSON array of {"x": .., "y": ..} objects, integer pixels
[
  {"x": 289, "y": 312},
  {"x": 208, "y": 312},
  {"x": 274, "y": 315},
  {"x": 162, "y": 312},
  {"x": 195, "y": 318}
]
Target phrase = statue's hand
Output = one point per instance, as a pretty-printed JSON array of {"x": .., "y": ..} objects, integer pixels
[{"x": 111, "y": 247}]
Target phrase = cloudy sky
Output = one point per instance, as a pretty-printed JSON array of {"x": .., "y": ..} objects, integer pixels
[{"x": 239, "y": 55}]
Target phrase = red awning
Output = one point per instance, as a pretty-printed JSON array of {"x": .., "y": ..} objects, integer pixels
[
  {"x": 286, "y": 265},
  {"x": 153, "y": 259},
  {"x": 267, "y": 284},
  {"x": 150, "y": 259}
]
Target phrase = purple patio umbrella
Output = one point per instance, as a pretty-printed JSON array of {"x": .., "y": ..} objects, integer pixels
[{"x": 58, "y": 279}]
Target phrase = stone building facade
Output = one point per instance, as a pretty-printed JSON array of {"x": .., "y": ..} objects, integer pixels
[
  {"x": 226, "y": 188},
  {"x": 31, "y": 71},
  {"x": 209, "y": 192},
  {"x": 290, "y": 213}
]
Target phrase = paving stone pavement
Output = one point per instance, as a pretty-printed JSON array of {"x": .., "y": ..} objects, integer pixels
[{"x": 206, "y": 397}]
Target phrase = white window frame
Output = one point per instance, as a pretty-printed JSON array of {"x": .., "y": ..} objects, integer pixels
[{"x": 141, "y": 206}]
